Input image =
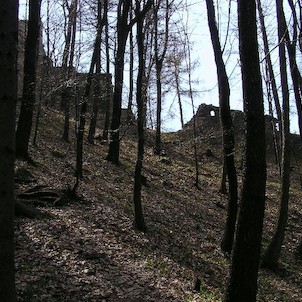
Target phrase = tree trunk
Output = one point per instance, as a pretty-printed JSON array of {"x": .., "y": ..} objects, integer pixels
[
  {"x": 122, "y": 34},
  {"x": 176, "y": 74},
  {"x": 271, "y": 75},
  {"x": 108, "y": 77},
  {"x": 131, "y": 69},
  {"x": 228, "y": 132},
  {"x": 272, "y": 254},
  {"x": 242, "y": 281},
  {"x": 295, "y": 73},
  {"x": 68, "y": 55},
  {"x": 29, "y": 81},
  {"x": 83, "y": 110},
  {"x": 159, "y": 59},
  {"x": 8, "y": 97},
  {"x": 140, "y": 98},
  {"x": 96, "y": 82}
]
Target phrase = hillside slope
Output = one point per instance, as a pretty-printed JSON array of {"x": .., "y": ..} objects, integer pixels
[{"x": 86, "y": 249}]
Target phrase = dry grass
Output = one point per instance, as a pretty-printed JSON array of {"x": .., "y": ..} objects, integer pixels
[{"x": 88, "y": 250}]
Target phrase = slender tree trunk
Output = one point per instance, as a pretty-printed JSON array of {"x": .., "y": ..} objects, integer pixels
[
  {"x": 242, "y": 281},
  {"x": 122, "y": 30},
  {"x": 131, "y": 69},
  {"x": 272, "y": 254},
  {"x": 140, "y": 98},
  {"x": 68, "y": 55},
  {"x": 157, "y": 149},
  {"x": 29, "y": 81},
  {"x": 108, "y": 76},
  {"x": 228, "y": 131},
  {"x": 273, "y": 125},
  {"x": 38, "y": 116},
  {"x": 83, "y": 111},
  {"x": 176, "y": 74},
  {"x": 159, "y": 59},
  {"x": 272, "y": 78},
  {"x": 96, "y": 86},
  {"x": 295, "y": 73},
  {"x": 8, "y": 98}
]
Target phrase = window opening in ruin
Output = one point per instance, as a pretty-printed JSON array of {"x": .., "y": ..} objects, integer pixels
[
  {"x": 277, "y": 126},
  {"x": 212, "y": 113}
]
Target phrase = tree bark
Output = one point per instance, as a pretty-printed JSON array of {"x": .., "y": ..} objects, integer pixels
[
  {"x": 159, "y": 59},
  {"x": 295, "y": 73},
  {"x": 108, "y": 77},
  {"x": 29, "y": 81},
  {"x": 242, "y": 281},
  {"x": 96, "y": 82},
  {"x": 141, "y": 99},
  {"x": 272, "y": 78},
  {"x": 67, "y": 65},
  {"x": 122, "y": 34},
  {"x": 8, "y": 97}
]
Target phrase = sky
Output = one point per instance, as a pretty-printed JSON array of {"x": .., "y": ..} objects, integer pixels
[{"x": 205, "y": 73}]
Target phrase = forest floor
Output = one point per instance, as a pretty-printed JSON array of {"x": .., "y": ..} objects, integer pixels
[{"x": 86, "y": 249}]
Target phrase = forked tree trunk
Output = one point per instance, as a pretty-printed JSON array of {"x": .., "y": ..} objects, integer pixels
[{"x": 8, "y": 98}]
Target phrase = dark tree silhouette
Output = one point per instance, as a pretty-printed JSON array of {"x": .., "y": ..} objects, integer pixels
[
  {"x": 272, "y": 82},
  {"x": 140, "y": 99},
  {"x": 29, "y": 82},
  {"x": 159, "y": 60},
  {"x": 123, "y": 29},
  {"x": 67, "y": 64},
  {"x": 97, "y": 80},
  {"x": 242, "y": 282},
  {"x": 8, "y": 97}
]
